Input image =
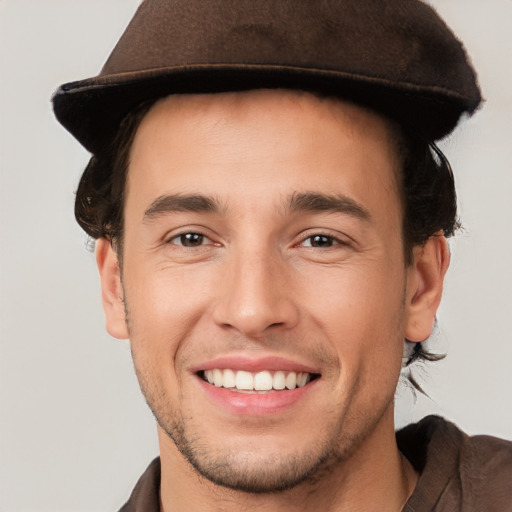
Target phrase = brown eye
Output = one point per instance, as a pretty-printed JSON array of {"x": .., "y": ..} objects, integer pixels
[
  {"x": 189, "y": 240},
  {"x": 319, "y": 241}
]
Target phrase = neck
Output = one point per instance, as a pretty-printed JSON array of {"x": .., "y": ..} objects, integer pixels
[{"x": 376, "y": 477}]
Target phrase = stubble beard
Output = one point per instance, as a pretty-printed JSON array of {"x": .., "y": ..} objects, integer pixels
[{"x": 247, "y": 471}]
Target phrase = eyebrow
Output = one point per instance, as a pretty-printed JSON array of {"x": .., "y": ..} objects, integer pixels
[
  {"x": 315, "y": 202},
  {"x": 298, "y": 202},
  {"x": 181, "y": 203}
]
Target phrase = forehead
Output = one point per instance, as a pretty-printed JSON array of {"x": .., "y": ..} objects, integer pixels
[
  {"x": 260, "y": 141},
  {"x": 266, "y": 107}
]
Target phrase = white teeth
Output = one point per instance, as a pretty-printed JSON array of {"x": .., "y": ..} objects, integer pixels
[
  {"x": 302, "y": 379},
  {"x": 244, "y": 380},
  {"x": 229, "y": 380},
  {"x": 261, "y": 381},
  {"x": 279, "y": 380},
  {"x": 218, "y": 378},
  {"x": 291, "y": 380}
]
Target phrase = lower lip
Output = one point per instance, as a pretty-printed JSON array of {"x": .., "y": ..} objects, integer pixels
[{"x": 257, "y": 404}]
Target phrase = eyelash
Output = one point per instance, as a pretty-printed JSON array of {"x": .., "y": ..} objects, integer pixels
[
  {"x": 182, "y": 236},
  {"x": 329, "y": 240}
]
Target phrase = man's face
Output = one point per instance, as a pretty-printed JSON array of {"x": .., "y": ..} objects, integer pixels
[{"x": 262, "y": 244}]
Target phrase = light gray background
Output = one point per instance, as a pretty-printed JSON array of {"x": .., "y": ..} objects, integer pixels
[{"x": 74, "y": 430}]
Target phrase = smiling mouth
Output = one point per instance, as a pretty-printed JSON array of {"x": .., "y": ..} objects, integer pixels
[{"x": 261, "y": 382}]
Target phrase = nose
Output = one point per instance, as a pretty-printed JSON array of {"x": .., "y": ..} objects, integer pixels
[{"x": 255, "y": 295}]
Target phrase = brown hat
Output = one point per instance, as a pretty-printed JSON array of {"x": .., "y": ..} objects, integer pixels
[{"x": 395, "y": 56}]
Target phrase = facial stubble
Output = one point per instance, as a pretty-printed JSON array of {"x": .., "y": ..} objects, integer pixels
[{"x": 246, "y": 471}]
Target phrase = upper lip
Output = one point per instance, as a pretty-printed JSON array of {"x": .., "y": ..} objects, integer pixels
[{"x": 254, "y": 365}]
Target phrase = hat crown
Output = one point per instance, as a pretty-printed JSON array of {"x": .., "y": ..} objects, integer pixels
[
  {"x": 397, "y": 57},
  {"x": 402, "y": 40}
]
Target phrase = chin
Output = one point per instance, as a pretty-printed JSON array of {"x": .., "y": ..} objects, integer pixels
[
  {"x": 252, "y": 470},
  {"x": 263, "y": 464}
]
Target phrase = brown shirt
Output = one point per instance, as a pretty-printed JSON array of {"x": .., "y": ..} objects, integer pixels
[{"x": 458, "y": 473}]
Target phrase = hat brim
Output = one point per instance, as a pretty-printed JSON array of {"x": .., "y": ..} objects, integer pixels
[{"x": 92, "y": 109}]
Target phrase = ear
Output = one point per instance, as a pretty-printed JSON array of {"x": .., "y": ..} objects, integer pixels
[
  {"x": 111, "y": 289},
  {"x": 425, "y": 286}
]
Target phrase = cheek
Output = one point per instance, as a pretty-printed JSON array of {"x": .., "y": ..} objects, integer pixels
[
  {"x": 166, "y": 308},
  {"x": 359, "y": 295},
  {"x": 165, "y": 295},
  {"x": 361, "y": 311}
]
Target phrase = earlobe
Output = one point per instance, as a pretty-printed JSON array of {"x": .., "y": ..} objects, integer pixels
[
  {"x": 424, "y": 286},
  {"x": 111, "y": 289}
]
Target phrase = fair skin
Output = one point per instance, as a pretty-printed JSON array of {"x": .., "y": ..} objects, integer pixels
[{"x": 262, "y": 235}]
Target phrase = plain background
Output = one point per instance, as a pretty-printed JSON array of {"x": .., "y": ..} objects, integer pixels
[{"x": 74, "y": 430}]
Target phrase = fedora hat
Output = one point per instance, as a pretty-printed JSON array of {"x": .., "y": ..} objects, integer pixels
[{"x": 397, "y": 57}]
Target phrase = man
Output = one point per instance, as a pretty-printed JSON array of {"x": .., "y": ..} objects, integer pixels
[{"x": 271, "y": 218}]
